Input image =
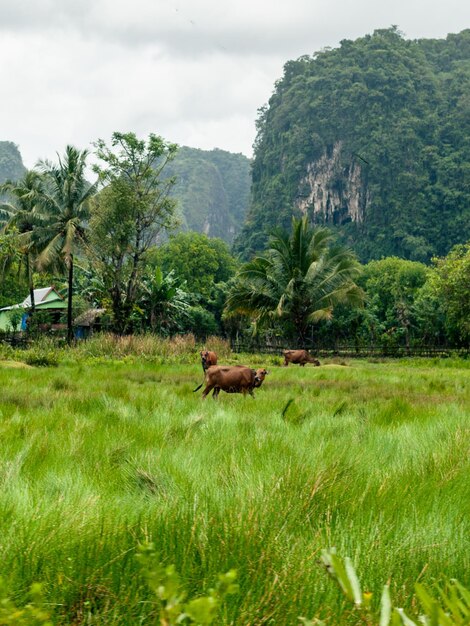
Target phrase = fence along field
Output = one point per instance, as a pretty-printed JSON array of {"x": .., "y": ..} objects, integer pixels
[
  {"x": 354, "y": 351},
  {"x": 101, "y": 454}
]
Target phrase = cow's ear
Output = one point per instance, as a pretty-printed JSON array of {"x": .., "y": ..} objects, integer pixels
[{"x": 266, "y": 372}]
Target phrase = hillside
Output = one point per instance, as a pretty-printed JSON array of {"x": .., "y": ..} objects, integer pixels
[
  {"x": 11, "y": 164},
  {"x": 373, "y": 139},
  {"x": 212, "y": 189}
]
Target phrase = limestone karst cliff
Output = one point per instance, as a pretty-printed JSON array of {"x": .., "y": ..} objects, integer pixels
[
  {"x": 371, "y": 139},
  {"x": 333, "y": 191}
]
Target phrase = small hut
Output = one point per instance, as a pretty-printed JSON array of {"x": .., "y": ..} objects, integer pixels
[{"x": 88, "y": 321}]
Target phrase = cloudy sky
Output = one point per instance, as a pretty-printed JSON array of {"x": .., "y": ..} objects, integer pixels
[{"x": 193, "y": 71}]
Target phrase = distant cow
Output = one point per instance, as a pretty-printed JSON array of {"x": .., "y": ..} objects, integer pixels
[
  {"x": 232, "y": 379},
  {"x": 208, "y": 358},
  {"x": 299, "y": 356}
]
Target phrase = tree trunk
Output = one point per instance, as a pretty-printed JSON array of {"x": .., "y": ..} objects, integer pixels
[
  {"x": 119, "y": 321},
  {"x": 300, "y": 330},
  {"x": 31, "y": 292},
  {"x": 69, "y": 304},
  {"x": 30, "y": 283}
]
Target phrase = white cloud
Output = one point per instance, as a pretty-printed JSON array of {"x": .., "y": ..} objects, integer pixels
[{"x": 194, "y": 71}]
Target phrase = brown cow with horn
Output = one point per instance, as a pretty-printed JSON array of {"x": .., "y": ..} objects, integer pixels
[
  {"x": 232, "y": 379},
  {"x": 299, "y": 356},
  {"x": 208, "y": 358}
]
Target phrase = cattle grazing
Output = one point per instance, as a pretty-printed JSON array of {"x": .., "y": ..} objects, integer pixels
[
  {"x": 208, "y": 358},
  {"x": 232, "y": 379},
  {"x": 299, "y": 356}
]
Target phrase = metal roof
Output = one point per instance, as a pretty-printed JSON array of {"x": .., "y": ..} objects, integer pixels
[{"x": 40, "y": 297}]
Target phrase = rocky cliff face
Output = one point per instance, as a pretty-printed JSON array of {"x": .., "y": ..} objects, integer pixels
[
  {"x": 333, "y": 192},
  {"x": 11, "y": 164}
]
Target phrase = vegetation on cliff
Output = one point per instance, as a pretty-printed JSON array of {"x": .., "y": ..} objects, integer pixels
[
  {"x": 212, "y": 189},
  {"x": 11, "y": 164},
  {"x": 371, "y": 138}
]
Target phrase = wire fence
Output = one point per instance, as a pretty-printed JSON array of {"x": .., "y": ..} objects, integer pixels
[
  {"x": 357, "y": 351},
  {"x": 316, "y": 349}
]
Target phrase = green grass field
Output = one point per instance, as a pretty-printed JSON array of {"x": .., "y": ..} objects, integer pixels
[{"x": 98, "y": 456}]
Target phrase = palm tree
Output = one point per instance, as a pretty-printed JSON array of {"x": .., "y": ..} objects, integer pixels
[
  {"x": 65, "y": 203},
  {"x": 299, "y": 280},
  {"x": 164, "y": 300},
  {"x": 21, "y": 216}
]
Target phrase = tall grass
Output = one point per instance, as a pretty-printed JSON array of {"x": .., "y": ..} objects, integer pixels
[
  {"x": 99, "y": 456},
  {"x": 105, "y": 346}
]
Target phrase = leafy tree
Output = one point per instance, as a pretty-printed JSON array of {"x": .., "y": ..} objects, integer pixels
[
  {"x": 392, "y": 286},
  {"x": 201, "y": 322},
  {"x": 450, "y": 284},
  {"x": 129, "y": 214},
  {"x": 64, "y": 198},
  {"x": 206, "y": 266},
  {"x": 23, "y": 213},
  {"x": 299, "y": 280},
  {"x": 199, "y": 260},
  {"x": 163, "y": 305},
  {"x": 13, "y": 278}
]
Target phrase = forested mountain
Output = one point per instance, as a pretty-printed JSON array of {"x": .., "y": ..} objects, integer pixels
[
  {"x": 11, "y": 165},
  {"x": 373, "y": 139},
  {"x": 212, "y": 189}
]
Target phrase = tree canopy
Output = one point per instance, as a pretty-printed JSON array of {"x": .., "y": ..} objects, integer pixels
[
  {"x": 299, "y": 280},
  {"x": 199, "y": 260},
  {"x": 129, "y": 214}
]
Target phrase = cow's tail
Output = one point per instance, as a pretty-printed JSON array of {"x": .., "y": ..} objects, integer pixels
[{"x": 197, "y": 388}]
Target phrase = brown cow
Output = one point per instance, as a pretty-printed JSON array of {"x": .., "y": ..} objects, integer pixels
[
  {"x": 232, "y": 379},
  {"x": 208, "y": 358},
  {"x": 299, "y": 356}
]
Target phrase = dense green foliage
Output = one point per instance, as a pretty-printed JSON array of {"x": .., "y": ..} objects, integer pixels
[
  {"x": 450, "y": 286},
  {"x": 147, "y": 281},
  {"x": 206, "y": 267},
  {"x": 407, "y": 304},
  {"x": 199, "y": 260},
  {"x": 103, "y": 453},
  {"x": 212, "y": 189},
  {"x": 373, "y": 138},
  {"x": 60, "y": 235},
  {"x": 391, "y": 315},
  {"x": 298, "y": 281},
  {"x": 163, "y": 306},
  {"x": 13, "y": 283},
  {"x": 133, "y": 209}
]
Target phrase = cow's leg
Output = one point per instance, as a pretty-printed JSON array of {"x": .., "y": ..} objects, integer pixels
[
  {"x": 215, "y": 395},
  {"x": 302, "y": 364},
  {"x": 286, "y": 362},
  {"x": 250, "y": 391},
  {"x": 207, "y": 390}
]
